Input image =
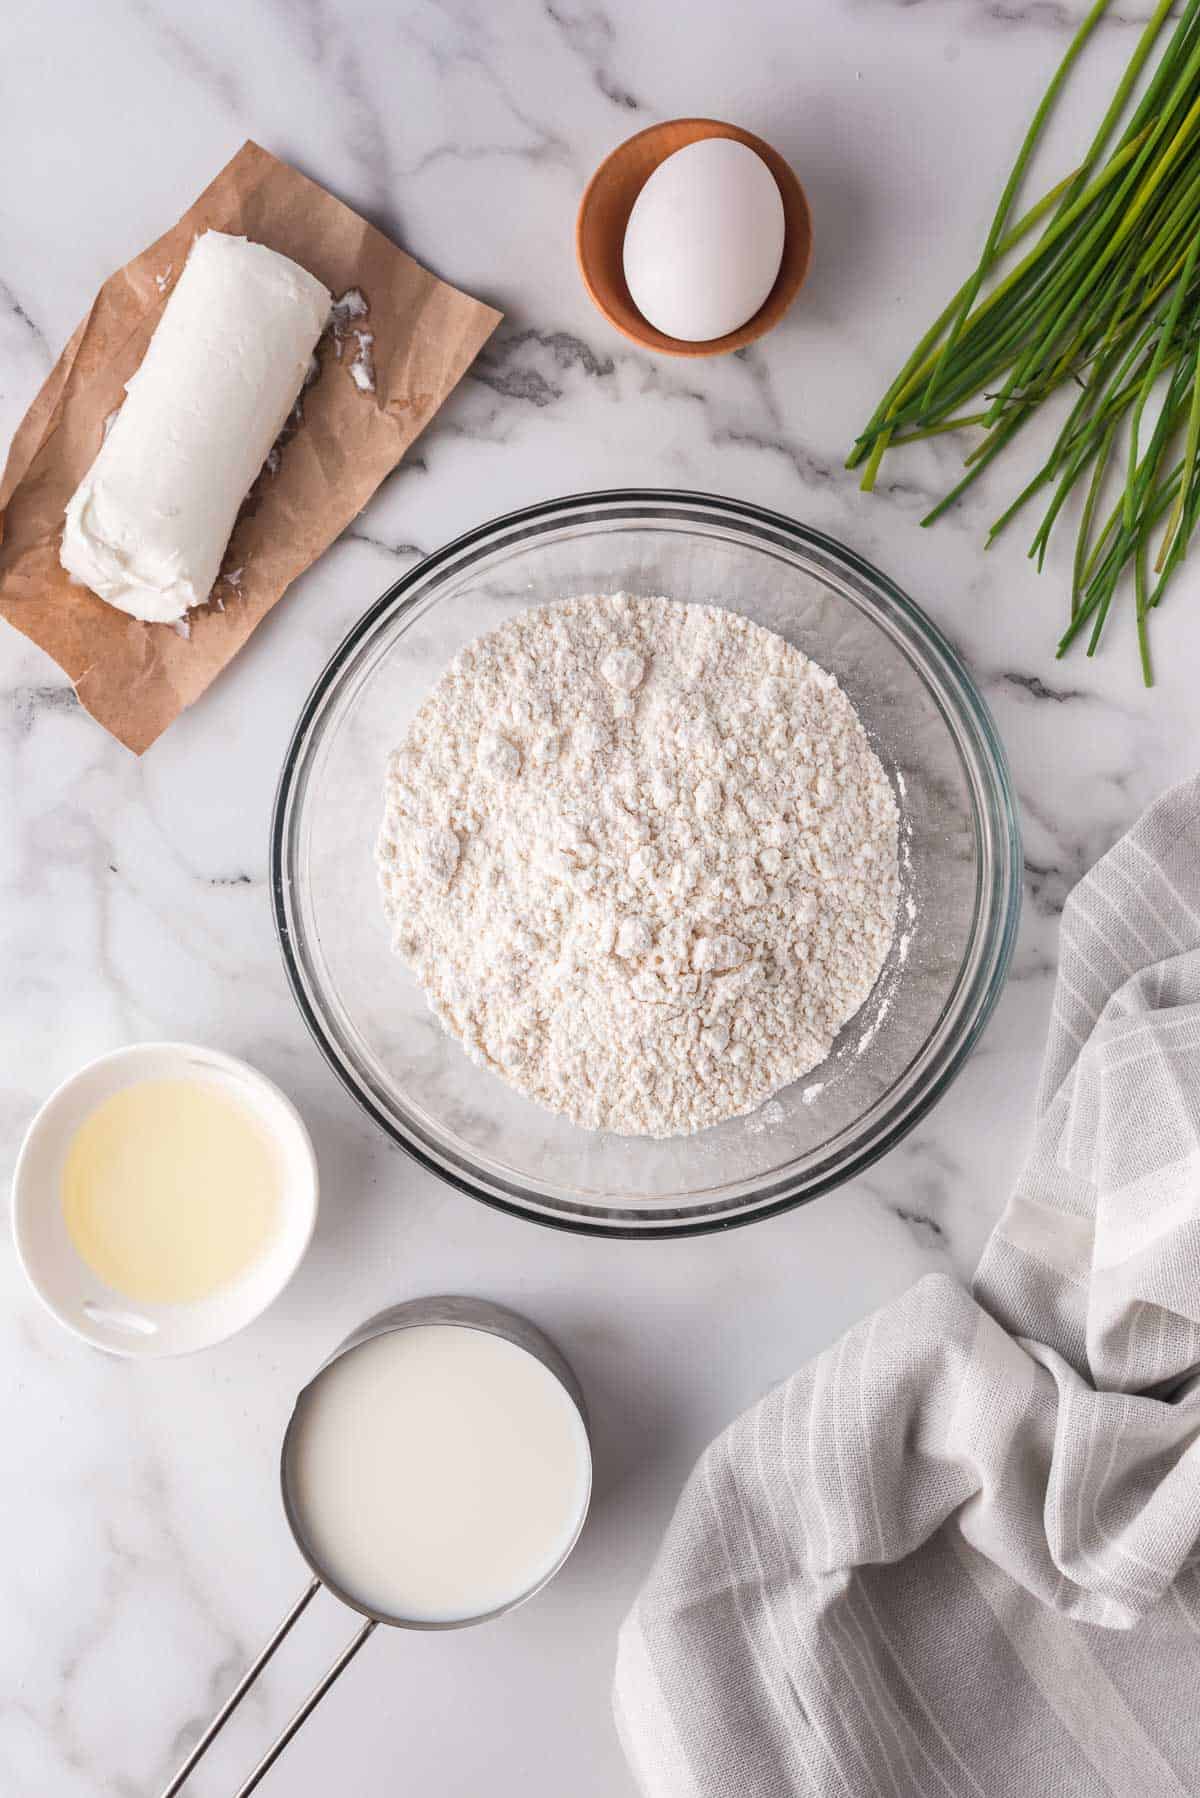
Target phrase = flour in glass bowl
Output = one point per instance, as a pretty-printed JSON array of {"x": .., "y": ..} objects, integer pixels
[{"x": 642, "y": 858}]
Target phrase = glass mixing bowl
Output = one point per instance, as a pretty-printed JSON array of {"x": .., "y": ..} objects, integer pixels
[{"x": 960, "y": 853}]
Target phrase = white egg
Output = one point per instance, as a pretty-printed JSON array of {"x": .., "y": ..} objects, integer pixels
[{"x": 704, "y": 240}]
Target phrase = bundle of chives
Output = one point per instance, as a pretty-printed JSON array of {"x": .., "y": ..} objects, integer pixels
[{"x": 1106, "y": 301}]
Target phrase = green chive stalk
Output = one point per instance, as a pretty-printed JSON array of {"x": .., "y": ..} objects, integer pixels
[{"x": 1106, "y": 302}]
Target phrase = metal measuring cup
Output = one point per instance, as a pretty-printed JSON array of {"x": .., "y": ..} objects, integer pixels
[{"x": 474, "y": 1314}]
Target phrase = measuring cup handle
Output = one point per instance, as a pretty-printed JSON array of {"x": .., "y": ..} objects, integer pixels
[
  {"x": 247, "y": 1680},
  {"x": 310, "y": 1704},
  {"x": 239, "y": 1691}
]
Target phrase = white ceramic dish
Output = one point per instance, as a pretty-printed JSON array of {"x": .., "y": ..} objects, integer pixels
[{"x": 67, "y": 1286}]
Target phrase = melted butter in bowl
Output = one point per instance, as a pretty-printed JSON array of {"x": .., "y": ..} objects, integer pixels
[
  {"x": 163, "y": 1198},
  {"x": 171, "y": 1189}
]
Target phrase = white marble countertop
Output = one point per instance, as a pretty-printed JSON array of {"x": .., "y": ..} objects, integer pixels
[{"x": 145, "y": 1553}]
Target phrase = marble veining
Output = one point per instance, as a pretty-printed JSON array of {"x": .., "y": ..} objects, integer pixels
[{"x": 145, "y": 1554}]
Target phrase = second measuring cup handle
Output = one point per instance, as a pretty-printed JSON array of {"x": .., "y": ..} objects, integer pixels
[
  {"x": 310, "y": 1704},
  {"x": 247, "y": 1680}
]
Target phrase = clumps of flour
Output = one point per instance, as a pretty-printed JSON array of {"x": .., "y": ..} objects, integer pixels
[{"x": 642, "y": 858}]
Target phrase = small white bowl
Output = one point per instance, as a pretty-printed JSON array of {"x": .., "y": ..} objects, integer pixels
[{"x": 64, "y": 1282}]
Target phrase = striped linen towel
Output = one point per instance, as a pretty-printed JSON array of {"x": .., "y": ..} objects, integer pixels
[{"x": 958, "y": 1554}]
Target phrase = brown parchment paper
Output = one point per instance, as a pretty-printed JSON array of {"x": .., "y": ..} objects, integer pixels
[{"x": 133, "y": 677}]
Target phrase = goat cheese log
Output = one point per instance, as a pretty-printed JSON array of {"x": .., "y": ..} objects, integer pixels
[{"x": 147, "y": 527}]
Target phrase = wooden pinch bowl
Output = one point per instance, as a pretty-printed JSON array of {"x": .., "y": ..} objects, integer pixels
[{"x": 604, "y": 213}]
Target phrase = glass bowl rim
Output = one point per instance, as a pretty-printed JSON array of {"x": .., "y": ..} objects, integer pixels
[{"x": 646, "y": 503}]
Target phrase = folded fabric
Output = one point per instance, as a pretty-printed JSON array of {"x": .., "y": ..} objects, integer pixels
[{"x": 957, "y": 1553}]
